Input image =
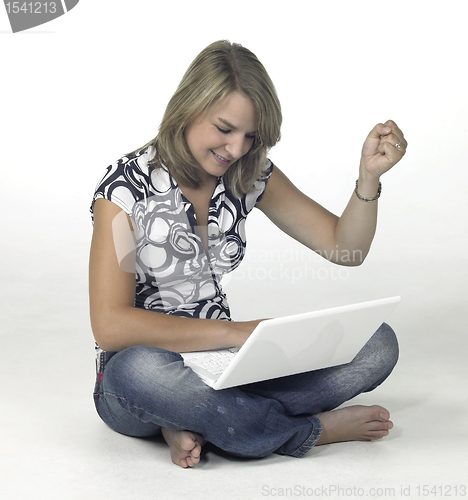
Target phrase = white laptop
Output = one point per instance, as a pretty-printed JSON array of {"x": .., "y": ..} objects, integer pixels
[{"x": 293, "y": 344}]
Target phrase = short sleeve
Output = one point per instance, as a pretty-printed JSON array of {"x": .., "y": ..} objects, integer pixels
[
  {"x": 125, "y": 182},
  {"x": 260, "y": 185}
]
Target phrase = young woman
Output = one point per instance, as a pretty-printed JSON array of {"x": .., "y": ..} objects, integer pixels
[{"x": 169, "y": 222}]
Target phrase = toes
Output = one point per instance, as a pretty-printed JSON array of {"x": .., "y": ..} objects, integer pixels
[
  {"x": 374, "y": 435},
  {"x": 382, "y": 413},
  {"x": 378, "y": 434},
  {"x": 187, "y": 462},
  {"x": 377, "y": 425}
]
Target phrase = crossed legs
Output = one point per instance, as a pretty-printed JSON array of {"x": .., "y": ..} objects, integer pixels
[{"x": 145, "y": 390}]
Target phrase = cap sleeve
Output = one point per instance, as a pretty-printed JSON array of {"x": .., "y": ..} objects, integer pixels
[
  {"x": 260, "y": 185},
  {"x": 124, "y": 183}
]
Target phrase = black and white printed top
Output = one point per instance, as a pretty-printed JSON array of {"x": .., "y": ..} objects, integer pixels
[{"x": 174, "y": 274}]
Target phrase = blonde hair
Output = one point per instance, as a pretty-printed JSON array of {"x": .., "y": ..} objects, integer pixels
[{"x": 221, "y": 68}]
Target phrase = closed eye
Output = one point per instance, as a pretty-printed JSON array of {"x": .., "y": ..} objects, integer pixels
[{"x": 251, "y": 137}]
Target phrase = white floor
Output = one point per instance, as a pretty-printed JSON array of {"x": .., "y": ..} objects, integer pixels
[{"x": 53, "y": 445}]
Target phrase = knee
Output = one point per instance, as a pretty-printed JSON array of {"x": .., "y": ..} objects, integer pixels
[
  {"x": 390, "y": 342},
  {"x": 381, "y": 351},
  {"x": 385, "y": 347}
]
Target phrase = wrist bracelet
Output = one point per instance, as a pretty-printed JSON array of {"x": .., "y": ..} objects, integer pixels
[{"x": 368, "y": 199}]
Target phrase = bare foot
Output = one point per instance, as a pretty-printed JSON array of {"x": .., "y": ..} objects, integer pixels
[
  {"x": 354, "y": 423},
  {"x": 185, "y": 446}
]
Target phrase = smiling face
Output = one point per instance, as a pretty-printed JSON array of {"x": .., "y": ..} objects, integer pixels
[{"x": 219, "y": 137}]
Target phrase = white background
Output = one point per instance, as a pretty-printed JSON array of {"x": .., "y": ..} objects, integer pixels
[{"x": 84, "y": 89}]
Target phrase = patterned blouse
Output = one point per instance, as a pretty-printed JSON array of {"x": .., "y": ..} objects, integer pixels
[{"x": 174, "y": 274}]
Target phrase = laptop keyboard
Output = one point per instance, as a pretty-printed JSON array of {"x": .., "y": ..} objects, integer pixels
[{"x": 215, "y": 362}]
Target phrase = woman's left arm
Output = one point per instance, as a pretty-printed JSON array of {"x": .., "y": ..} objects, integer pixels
[{"x": 347, "y": 239}]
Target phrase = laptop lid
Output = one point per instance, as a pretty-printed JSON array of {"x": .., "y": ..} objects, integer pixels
[{"x": 304, "y": 342}]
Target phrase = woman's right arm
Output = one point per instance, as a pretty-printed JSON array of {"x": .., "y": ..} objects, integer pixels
[{"x": 117, "y": 324}]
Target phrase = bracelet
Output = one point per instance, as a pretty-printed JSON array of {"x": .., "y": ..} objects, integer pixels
[{"x": 368, "y": 199}]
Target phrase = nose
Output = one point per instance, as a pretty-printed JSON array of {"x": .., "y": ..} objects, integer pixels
[{"x": 237, "y": 146}]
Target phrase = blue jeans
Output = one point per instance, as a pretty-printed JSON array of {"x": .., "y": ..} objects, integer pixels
[{"x": 141, "y": 389}]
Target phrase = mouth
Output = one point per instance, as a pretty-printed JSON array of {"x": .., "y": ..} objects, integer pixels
[{"x": 221, "y": 160}]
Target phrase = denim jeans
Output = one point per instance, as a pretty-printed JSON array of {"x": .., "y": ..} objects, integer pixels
[{"x": 141, "y": 389}]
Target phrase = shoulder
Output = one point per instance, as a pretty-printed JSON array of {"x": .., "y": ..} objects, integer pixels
[
  {"x": 280, "y": 195},
  {"x": 131, "y": 179},
  {"x": 279, "y": 188},
  {"x": 132, "y": 168},
  {"x": 255, "y": 195}
]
